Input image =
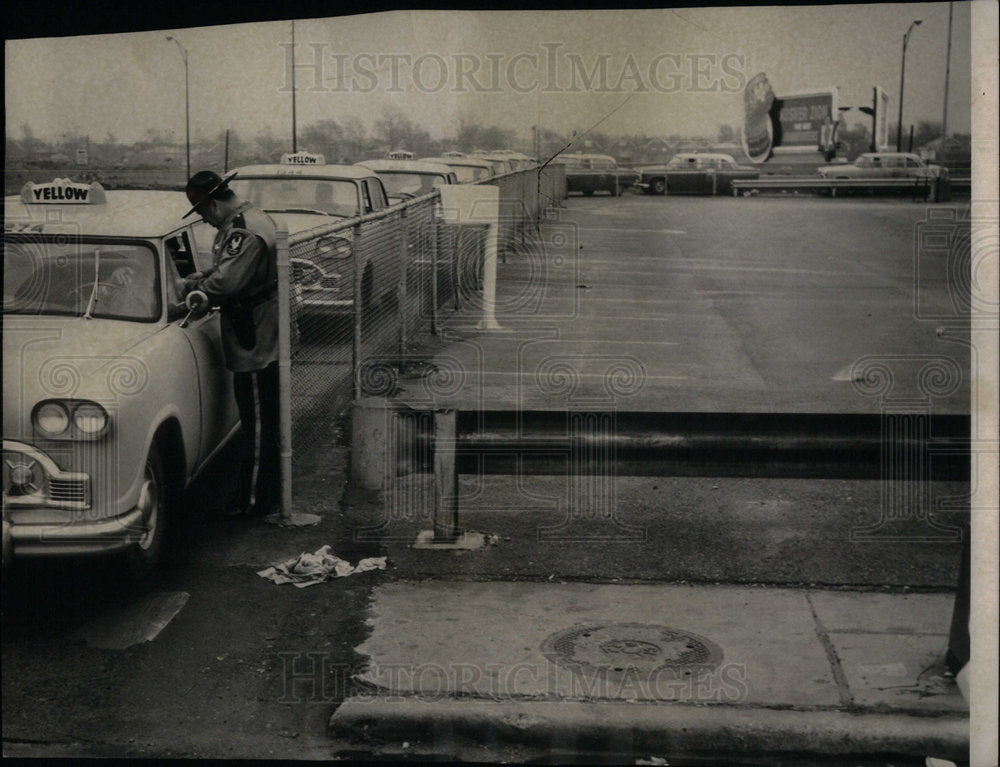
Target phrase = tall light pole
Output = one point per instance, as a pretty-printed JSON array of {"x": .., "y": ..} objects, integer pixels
[
  {"x": 947, "y": 75},
  {"x": 902, "y": 78},
  {"x": 187, "y": 108}
]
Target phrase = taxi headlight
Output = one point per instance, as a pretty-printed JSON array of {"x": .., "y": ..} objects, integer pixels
[
  {"x": 90, "y": 418},
  {"x": 51, "y": 418}
]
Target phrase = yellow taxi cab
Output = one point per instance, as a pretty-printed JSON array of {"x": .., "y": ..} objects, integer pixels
[
  {"x": 405, "y": 179},
  {"x": 467, "y": 170},
  {"x": 115, "y": 396},
  {"x": 308, "y": 193}
]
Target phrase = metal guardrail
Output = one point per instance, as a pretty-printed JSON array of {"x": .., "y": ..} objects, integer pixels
[
  {"x": 893, "y": 447},
  {"x": 919, "y": 186}
]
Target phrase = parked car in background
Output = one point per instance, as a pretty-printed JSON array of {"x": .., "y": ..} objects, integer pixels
[
  {"x": 695, "y": 173},
  {"x": 405, "y": 179},
  {"x": 309, "y": 193},
  {"x": 589, "y": 173},
  {"x": 114, "y": 396},
  {"x": 467, "y": 169},
  {"x": 517, "y": 160},
  {"x": 500, "y": 164},
  {"x": 875, "y": 165}
]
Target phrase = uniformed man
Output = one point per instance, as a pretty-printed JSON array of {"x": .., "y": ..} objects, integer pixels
[{"x": 243, "y": 281}]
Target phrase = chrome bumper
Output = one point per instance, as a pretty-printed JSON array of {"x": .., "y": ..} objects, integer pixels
[{"x": 72, "y": 538}]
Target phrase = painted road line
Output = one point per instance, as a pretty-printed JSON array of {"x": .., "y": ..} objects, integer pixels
[
  {"x": 702, "y": 267},
  {"x": 630, "y": 230},
  {"x": 534, "y": 374}
]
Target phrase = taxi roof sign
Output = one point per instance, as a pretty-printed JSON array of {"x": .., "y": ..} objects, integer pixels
[
  {"x": 62, "y": 191},
  {"x": 303, "y": 158}
]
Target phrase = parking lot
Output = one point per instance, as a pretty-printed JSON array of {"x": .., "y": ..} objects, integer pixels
[{"x": 767, "y": 305}]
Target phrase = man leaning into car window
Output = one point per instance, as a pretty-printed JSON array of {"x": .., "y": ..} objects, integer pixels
[{"x": 243, "y": 281}]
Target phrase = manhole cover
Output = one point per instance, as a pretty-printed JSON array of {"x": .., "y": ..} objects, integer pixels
[{"x": 637, "y": 648}]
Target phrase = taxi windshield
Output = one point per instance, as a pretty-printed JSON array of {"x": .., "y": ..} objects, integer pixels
[
  {"x": 402, "y": 184},
  {"x": 330, "y": 197},
  {"x": 63, "y": 276}
]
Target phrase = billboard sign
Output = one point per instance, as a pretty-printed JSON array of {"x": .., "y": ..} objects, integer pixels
[
  {"x": 795, "y": 123},
  {"x": 806, "y": 122}
]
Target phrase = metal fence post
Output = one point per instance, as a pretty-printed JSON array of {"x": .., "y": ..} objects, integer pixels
[
  {"x": 285, "y": 517},
  {"x": 445, "y": 478},
  {"x": 358, "y": 313},
  {"x": 435, "y": 223},
  {"x": 404, "y": 263}
]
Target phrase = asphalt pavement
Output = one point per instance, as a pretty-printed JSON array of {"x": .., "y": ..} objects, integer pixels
[{"x": 678, "y": 620}]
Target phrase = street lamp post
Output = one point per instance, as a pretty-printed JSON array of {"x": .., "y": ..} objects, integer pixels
[
  {"x": 902, "y": 78},
  {"x": 187, "y": 110}
]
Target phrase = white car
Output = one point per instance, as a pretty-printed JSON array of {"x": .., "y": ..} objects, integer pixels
[
  {"x": 405, "y": 179},
  {"x": 876, "y": 165},
  {"x": 114, "y": 396},
  {"x": 308, "y": 192},
  {"x": 467, "y": 170}
]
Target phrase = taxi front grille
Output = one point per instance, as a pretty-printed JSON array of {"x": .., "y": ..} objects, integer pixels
[{"x": 68, "y": 490}]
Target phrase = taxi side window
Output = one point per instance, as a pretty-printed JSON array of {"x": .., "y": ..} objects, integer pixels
[
  {"x": 366, "y": 198},
  {"x": 181, "y": 254},
  {"x": 374, "y": 194},
  {"x": 173, "y": 273}
]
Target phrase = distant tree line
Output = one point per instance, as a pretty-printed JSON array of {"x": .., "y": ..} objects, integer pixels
[{"x": 348, "y": 140}]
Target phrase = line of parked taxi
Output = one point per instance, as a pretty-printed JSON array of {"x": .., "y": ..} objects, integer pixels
[{"x": 115, "y": 396}]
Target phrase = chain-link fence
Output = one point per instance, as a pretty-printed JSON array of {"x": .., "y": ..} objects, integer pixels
[{"x": 364, "y": 290}]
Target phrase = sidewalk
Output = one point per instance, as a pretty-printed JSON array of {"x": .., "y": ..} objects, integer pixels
[{"x": 657, "y": 670}]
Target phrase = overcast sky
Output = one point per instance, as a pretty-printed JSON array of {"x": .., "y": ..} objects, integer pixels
[{"x": 654, "y": 72}]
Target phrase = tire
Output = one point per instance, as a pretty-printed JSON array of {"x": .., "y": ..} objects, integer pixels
[
  {"x": 143, "y": 556},
  {"x": 658, "y": 186}
]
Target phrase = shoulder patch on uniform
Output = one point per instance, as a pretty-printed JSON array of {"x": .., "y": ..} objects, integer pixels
[
  {"x": 235, "y": 243},
  {"x": 240, "y": 221}
]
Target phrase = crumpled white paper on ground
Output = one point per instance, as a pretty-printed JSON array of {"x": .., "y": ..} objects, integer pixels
[{"x": 309, "y": 569}]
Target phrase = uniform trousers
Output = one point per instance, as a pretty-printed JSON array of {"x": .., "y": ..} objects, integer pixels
[{"x": 257, "y": 400}]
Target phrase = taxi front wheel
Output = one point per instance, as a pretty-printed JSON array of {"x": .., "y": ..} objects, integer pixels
[{"x": 144, "y": 555}]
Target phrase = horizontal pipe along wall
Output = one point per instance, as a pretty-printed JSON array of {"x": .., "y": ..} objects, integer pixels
[{"x": 897, "y": 449}]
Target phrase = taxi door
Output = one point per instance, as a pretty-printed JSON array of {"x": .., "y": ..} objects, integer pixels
[{"x": 217, "y": 409}]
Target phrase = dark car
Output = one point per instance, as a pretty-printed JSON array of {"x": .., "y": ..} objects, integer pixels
[
  {"x": 695, "y": 173},
  {"x": 589, "y": 173}
]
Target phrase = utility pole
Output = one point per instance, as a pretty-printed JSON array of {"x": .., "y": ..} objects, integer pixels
[
  {"x": 902, "y": 79},
  {"x": 295, "y": 147},
  {"x": 187, "y": 104},
  {"x": 947, "y": 75}
]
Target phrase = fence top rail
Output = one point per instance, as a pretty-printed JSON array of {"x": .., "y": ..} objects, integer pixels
[
  {"x": 349, "y": 223},
  {"x": 830, "y": 182}
]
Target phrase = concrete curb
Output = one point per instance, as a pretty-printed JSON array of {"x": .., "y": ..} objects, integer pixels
[{"x": 651, "y": 728}]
